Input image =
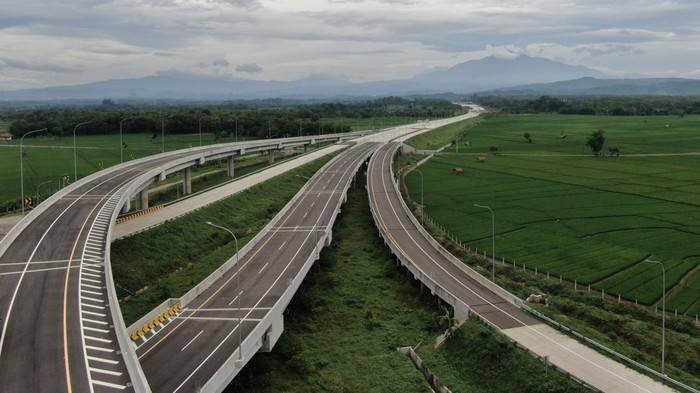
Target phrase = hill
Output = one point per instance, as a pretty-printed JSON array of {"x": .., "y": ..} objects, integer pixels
[{"x": 597, "y": 87}]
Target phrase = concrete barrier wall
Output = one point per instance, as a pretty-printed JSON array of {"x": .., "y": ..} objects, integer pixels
[
  {"x": 136, "y": 374},
  {"x": 456, "y": 261},
  {"x": 461, "y": 309},
  {"x": 270, "y": 328}
]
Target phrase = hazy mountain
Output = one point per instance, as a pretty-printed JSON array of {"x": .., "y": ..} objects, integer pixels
[
  {"x": 619, "y": 87},
  {"x": 178, "y": 87},
  {"x": 476, "y": 75},
  {"x": 493, "y": 72}
]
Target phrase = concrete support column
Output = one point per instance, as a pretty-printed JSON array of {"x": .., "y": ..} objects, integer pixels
[
  {"x": 126, "y": 207},
  {"x": 187, "y": 181},
  {"x": 142, "y": 200},
  {"x": 229, "y": 167},
  {"x": 306, "y": 147},
  {"x": 271, "y": 156}
]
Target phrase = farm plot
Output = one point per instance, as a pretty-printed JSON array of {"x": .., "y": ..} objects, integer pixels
[{"x": 590, "y": 219}]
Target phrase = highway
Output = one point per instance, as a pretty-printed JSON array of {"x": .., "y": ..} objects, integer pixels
[
  {"x": 58, "y": 330},
  {"x": 191, "y": 348},
  {"x": 401, "y": 231},
  {"x": 56, "y": 334},
  {"x": 467, "y": 291}
]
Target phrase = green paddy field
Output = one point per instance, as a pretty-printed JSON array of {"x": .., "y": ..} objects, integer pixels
[{"x": 593, "y": 220}]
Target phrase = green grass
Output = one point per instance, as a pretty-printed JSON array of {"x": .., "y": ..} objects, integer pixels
[
  {"x": 443, "y": 136},
  {"x": 194, "y": 248},
  {"x": 356, "y": 307},
  {"x": 502, "y": 368},
  {"x": 588, "y": 219},
  {"x": 626, "y": 328}
]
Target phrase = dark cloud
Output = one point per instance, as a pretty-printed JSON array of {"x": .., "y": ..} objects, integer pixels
[
  {"x": 368, "y": 52},
  {"x": 602, "y": 50},
  {"x": 220, "y": 62},
  {"x": 42, "y": 67},
  {"x": 249, "y": 68}
]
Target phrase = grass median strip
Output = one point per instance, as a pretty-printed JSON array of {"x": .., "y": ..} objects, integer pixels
[{"x": 355, "y": 308}]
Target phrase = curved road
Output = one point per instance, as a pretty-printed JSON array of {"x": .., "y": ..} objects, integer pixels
[
  {"x": 433, "y": 264},
  {"x": 191, "y": 348},
  {"x": 57, "y": 328}
]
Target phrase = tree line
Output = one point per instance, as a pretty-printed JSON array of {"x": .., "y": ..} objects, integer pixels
[
  {"x": 253, "y": 119},
  {"x": 614, "y": 106}
]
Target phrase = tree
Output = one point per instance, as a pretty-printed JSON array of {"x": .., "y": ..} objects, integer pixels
[
  {"x": 596, "y": 141},
  {"x": 445, "y": 320},
  {"x": 614, "y": 150},
  {"x": 493, "y": 149},
  {"x": 527, "y": 137}
]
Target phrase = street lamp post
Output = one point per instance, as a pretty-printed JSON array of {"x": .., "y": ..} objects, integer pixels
[
  {"x": 493, "y": 242},
  {"x": 422, "y": 205},
  {"x": 162, "y": 133},
  {"x": 238, "y": 284},
  {"x": 21, "y": 166},
  {"x": 200, "y": 132},
  {"x": 75, "y": 151},
  {"x": 39, "y": 187},
  {"x": 121, "y": 141},
  {"x": 663, "y": 316}
]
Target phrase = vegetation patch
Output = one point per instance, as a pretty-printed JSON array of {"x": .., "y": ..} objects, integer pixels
[
  {"x": 502, "y": 366},
  {"x": 450, "y": 134},
  {"x": 356, "y": 307}
]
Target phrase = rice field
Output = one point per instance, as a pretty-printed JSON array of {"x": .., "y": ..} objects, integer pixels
[{"x": 593, "y": 220}]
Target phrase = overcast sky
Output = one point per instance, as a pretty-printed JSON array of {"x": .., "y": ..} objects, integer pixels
[{"x": 63, "y": 42}]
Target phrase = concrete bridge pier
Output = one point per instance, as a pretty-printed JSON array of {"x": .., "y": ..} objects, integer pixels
[
  {"x": 229, "y": 166},
  {"x": 271, "y": 156},
  {"x": 142, "y": 200},
  {"x": 187, "y": 181},
  {"x": 126, "y": 207}
]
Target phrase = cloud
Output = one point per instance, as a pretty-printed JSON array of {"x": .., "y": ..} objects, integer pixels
[
  {"x": 608, "y": 49},
  {"x": 360, "y": 40},
  {"x": 220, "y": 62},
  {"x": 41, "y": 67},
  {"x": 249, "y": 68}
]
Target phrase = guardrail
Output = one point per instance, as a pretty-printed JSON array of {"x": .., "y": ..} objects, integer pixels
[
  {"x": 264, "y": 330},
  {"x": 138, "y": 378},
  {"x": 225, "y": 267},
  {"x": 608, "y": 350}
]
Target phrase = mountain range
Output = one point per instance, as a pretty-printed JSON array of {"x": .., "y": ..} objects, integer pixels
[
  {"x": 495, "y": 75},
  {"x": 597, "y": 87}
]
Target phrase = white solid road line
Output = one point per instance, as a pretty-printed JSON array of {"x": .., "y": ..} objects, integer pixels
[
  {"x": 195, "y": 337},
  {"x": 97, "y": 359},
  {"x": 272, "y": 285},
  {"x": 234, "y": 299},
  {"x": 37, "y": 270}
]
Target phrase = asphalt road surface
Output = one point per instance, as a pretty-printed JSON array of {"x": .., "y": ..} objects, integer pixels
[
  {"x": 56, "y": 324},
  {"x": 186, "y": 352},
  {"x": 402, "y": 231}
]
